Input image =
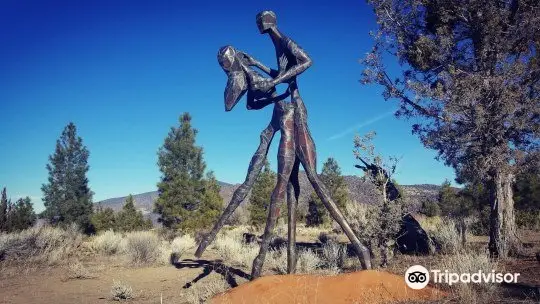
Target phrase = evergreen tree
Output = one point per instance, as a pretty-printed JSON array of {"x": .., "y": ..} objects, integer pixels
[
  {"x": 22, "y": 215},
  {"x": 260, "y": 195},
  {"x": 468, "y": 73},
  {"x": 184, "y": 193},
  {"x": 3, "y": 210},
  {"x": 130, "y": 219},
  {"x": 335, "y": 183},
  {"x": 103, "y": 219},
  {"x": 66, "y": 196},
  {"x": 430, "y": 208}
]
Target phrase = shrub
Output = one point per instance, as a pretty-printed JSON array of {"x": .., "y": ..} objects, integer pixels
[
  {"x": 108, "y": 243},
  {"x": 307, "y": 262},
  {"x": 40, "y": 245},
  {"x": 76, "y": 270},
  {"x": 144, "y": 247},
  {"x": 231, "y": 248},
  {"x": 334, "y": 255},
  {"x": 204, "y": 290},
  {"x": 444, "y": 233},
  {"x": 181, "y": 245},
  {"x": 121, "y": 291},
  {"x": 471, "y": 262},
  {"x": 276, "y": 260}
]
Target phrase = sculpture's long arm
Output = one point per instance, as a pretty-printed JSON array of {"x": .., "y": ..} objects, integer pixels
[
  {"x": 253, "y": 104},
  {"x": 254, "y": 62},
  {"x": 303, "y": 62}
]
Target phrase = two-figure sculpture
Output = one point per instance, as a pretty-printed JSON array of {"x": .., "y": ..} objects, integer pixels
[{"x": 296, "y": 145}]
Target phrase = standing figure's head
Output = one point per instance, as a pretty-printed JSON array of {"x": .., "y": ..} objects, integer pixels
[
  {"x": 228, "y": 58},
  {"x": 266, "y": 20}
]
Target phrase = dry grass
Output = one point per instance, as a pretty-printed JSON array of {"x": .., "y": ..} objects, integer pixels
[
  {"x": 444, "y": 232},
  {"x": 308, "y": 262},
  {"x": 205, "y": 289},
  {"x": 231, "y": 249},
  {"x": 146, "y": 248},
  {"x": 181, "y": 245},
  {"x": 109, "y": 243},
  {"x": 76, "y": 270},
  {"x": 121, "y": 291},
  {"x": 43, "y": 245}
]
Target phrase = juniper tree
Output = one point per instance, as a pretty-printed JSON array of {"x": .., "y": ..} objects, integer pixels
[
  {"x": 3, "y": 210},
  {"x": 335, "y": 183},
  {"x": 103, "y": 219},
  {"x": 260, "y": 195},
  {"x": 22, "y": 215},
  {"x": 469, "y": 74},
  {"x": 131, "y": 219},
  {"x": 384, "y": 215},
  {"x": 67, "y": 196},
  {"x": 184, "y": 193}
]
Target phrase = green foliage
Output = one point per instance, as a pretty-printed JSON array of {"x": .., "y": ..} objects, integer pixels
[
  {"x": 187, "y": 200},
  {"x": 22, "y": 215},
  {"x": 316, "y": 215},
  {"x": 130, "y": 219},
  {"x": 527, "y": 191},
  {"x": 335, "y": 184},
  {"x": 103, "y": 219},
  {"x": 3, "y": 210},
  {"x": 17, "y": 216},
  {"x": 430, "y": 208},
  {"x": 260, "y": 195},
  {"x": 66, "y": 196},
  {"x": 127, "y": 220}
]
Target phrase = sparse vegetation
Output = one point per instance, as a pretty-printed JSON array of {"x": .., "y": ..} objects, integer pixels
[
  {"x": 76, "y": 270},
  {"x": 43, "y": 245},
  {"x": 121, "y": 291},
  {"x": 144, "y": 248},
  {"x": 108, "y": 242}
]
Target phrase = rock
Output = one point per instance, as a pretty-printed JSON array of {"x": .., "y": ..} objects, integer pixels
[{"x": 412, "y": 238}]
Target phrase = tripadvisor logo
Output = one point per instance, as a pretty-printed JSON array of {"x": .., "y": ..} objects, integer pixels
[{"x": 417, "y": 277}]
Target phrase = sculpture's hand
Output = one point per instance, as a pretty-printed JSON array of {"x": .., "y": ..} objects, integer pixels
[
  {"x": 248, "y": 59},
  {"x": 264, "y": 85}
]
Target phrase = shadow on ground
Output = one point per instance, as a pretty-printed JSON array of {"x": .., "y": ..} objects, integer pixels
[{"x": 208, "y": 267}]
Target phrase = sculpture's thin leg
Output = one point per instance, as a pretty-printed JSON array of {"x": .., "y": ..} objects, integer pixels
[
  {"x": 293, "y": 192},
  {"x": 305, "y": 148},
  {"x": 286, "y": 158},
  {"x": 255, "y": 166}
]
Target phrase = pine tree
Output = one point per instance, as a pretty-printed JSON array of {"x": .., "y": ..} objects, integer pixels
[
  {"x": 130, "y": 219},
  {"x": 260, "y": 195},
  {"x": 3, "y": 210},
  {"x": 103, "y": 219},
  {"x": 184, "y": 193},
  {"x": 22, "y": 215},
  {"x": 66, "y": 196},
  {"x": 335, "y": 183}
]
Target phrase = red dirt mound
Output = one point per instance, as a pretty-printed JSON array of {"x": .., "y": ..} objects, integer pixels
[{"x": 369, "y": 286}]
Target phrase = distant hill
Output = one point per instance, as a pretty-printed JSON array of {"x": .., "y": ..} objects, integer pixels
[{"x": 360, "y": 191}]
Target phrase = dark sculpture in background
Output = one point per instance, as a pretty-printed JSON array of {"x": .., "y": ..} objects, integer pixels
[{"x": 296, "y": 145}]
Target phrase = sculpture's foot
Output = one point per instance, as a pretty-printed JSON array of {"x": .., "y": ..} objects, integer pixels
[{"x": 256, "y": 269}]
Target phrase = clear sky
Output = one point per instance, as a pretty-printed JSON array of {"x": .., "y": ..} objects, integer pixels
[{"x": 124, "y": 72}]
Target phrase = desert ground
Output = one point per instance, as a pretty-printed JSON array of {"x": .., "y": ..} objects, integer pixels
[{"x": 160, "y": 268}]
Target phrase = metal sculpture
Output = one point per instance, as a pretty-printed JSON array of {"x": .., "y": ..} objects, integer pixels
[{"x": 296, "y": 144}]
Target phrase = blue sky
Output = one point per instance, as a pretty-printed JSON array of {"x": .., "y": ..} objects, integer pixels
[{"x": 124, "y": 72}]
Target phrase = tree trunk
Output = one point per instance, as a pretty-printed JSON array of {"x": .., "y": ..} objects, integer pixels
[{"x": 502, "y": 229}]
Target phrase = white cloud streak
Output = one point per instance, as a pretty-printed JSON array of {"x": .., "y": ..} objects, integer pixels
[{"x": 360, "y": 125}]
